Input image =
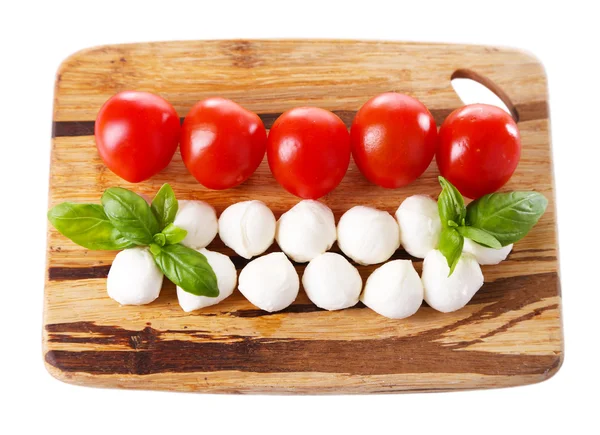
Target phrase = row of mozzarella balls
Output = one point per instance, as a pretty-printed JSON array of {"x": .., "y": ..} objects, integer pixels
[{"x": 307, "y": 231}]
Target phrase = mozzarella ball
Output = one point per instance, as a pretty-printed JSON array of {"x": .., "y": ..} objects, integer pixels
[
  {"x": 306, "y": 230},
  {"x": 394, "y": 290},
  {"x": 199, "y": 220},
  {"x": 450, "y": 293},
  {"x": 226, "y": 281},
  {"x": 331, "y": 282},
  {"x": 134, "y": 278},
  {"x": 420, "y": 225},
  {"x": 485, "y": 255},
  {"x": 247, "y": 227},
  {"x": 270, "y": 282},
  {"x": 367, "y": 235}
]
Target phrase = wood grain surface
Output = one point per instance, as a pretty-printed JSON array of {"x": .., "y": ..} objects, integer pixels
[{"x": 509, "y": 334}]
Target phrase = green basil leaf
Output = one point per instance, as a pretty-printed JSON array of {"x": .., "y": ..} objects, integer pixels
[
  {"x": 507, "y": 216},
  {"x": 130, "y": 214},
  {"x": 159, "y": 239},
  {"x": 451, "y": 204},
  {"x": 451, "y": 246},
  {"x": 479, "y": 236},
  {"x": 174, "y": 234},
  {"x": 87, "y": 225},
  {"x": 165, "y": 206},
  {"x": 186, "y": 268}
]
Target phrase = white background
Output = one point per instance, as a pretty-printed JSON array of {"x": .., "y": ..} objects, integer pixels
[{"x": 35, "y": 38}]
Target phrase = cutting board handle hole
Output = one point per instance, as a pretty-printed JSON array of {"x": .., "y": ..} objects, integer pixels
[{"x": 474, "y": 88}]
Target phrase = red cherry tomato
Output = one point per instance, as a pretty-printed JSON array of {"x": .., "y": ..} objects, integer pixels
[
  {"x": 393, "y": 138},
  {"x": 308, "y": 151},
  {"x": 136, "y": 134},
  {"x": 479, "y": 149},
  {"x": 222, "y": 143}
]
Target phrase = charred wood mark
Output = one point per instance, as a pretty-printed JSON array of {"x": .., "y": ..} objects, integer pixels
[
  {"x": 536, "y": 258},
  {"x": 532, "y": 111},
  {"x": 72, "y": 128},
  {"x": 60, "y": 273},
  {"x": 359, "y": 357},
  {"x": 519, "y": 319},
  {"x": 419, "y": 353},
  {"x": 296, "y": 308},
  {"x": 505, "y": 327},
  {"x": 74, "y": 273}
]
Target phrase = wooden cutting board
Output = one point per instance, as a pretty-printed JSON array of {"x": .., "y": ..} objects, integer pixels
[{"x": 510, "y": 333}]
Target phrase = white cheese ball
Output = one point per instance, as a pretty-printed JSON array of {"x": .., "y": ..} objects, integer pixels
[
  {"x": 485, "y": 255},
  {"x": 420, "y": 225},
  {"x": 450, "y": 293},
  {"x": 331, "y": 282},
  {"x": 247, "y": 227},
  {"x": 226, "y": 281},
  {"x": 394, "y": 290},
  {"x": 199, "y": 220},
  {"x": 134, "y": 278},
  {"x": 270, "y": 282},
  {"x": 367, "y": 235},
  {"x": 306, "y": 230}
]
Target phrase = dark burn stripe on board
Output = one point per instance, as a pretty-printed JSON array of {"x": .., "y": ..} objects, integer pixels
[
  {"x": 527, "y": 112},
  {"x": 72, "y": 128},
  {"x": 357, "y": 357},
  {"x": 74, "y": 273},
  {"x": 86, "y": 128},
  {"x": 295, "y": 308},
  {"x": 419, "y": 353},
  {"x": 61, "y": 273}
]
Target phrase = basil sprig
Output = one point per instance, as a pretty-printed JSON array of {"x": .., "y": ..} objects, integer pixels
[
  {"x": 125, "y": 220},
  {"x": 494, "y": 220}
]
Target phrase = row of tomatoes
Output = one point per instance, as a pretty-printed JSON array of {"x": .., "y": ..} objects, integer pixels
[{"x": 393, "y": 139}]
